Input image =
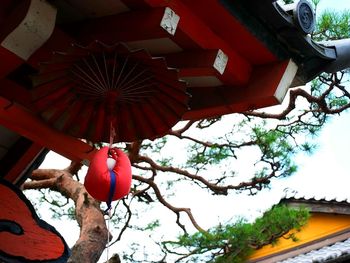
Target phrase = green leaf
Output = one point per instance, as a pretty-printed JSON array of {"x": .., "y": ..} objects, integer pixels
[{"x": 235, "y": 242}]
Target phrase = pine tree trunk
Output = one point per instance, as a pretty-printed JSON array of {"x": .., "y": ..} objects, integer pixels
[{"x": 93, "y": 230}]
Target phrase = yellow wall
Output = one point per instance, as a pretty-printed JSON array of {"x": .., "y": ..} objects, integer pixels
[{"x": 319, "y": 226}]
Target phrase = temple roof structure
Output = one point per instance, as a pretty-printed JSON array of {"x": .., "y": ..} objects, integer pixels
[
  {"x": 325, "y": 238},
  {"x": 233, "y": 56}
]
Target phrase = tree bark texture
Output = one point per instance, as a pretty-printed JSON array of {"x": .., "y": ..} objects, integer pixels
[{"x": 93, "y": 231}]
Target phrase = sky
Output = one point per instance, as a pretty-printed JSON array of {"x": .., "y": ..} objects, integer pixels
[
  {"x": 325, "y": 173},
  {"x": 327, "y": 170}
]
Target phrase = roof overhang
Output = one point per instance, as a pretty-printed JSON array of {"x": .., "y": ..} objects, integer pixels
[
  {"x": 327, "y": 227},
  {"x": 234, "y": 55}
]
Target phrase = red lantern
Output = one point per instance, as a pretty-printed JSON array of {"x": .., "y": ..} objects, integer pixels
[{"x": 109, "y": 175}]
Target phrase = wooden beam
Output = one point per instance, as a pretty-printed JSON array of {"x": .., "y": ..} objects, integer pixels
[
  {"x": 58, "y": 41},
  {"x": 23, "y": 162},
  {"x": 267, "y": 87},
  {"x": 8, "y": 61},
  {"x": 194, "y": 65},
  {"x": 232, "y": 30},
  {"x": 32, "y": 31},
  {"x": 24, "y": 29},
  {"x": 12, "y": 14},
  {"x": 321, "y": 206},
  {"x": 13, "y": 154},
  {"x": 21, "y": 121},
  {"x": 199, "y": 31},
  {"x": 126, "y": 27},
  {"x": 148, "y": 28},
  {"x": 14, "y": 92},
  {"x": 218, "y": 16}
]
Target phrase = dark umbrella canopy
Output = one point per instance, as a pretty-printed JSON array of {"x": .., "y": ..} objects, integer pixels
[{"x": 90, "y": 91}]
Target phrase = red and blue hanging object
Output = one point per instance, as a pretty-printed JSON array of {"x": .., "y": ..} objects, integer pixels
[{"x": 109, "y": 175}]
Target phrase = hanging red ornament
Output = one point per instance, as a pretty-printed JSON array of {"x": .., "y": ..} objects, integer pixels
[{"x": 109, "y": 175}]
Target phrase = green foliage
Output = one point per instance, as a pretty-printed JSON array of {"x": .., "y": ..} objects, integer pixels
[
  {"x": 156, "y": 145},
  {"x": 234, "y": 243},
  {"x": 71, "y": 213},
  {"x": 288, "y": 1},
  {"x": 332, "y": 25},
  {"x": 273, "y": 143},
  {"x": 307, "y": 147},
  {"x": 316, "y": 2},
  {"x": 207, "y": 155},
  {"x": 153, "y": 225},
  {"x": 277, "y": 151},
  {"x": 335, "y": 99},
  {"x": 165, "y": 161}
]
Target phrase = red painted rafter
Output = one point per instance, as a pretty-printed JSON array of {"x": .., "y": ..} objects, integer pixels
[
  {"x": 19, "y": 34},
  {"x": 14, "y": 92},
  {"x": 191, "y": 34},
  {"x": 224, "y": 24},
  {"x": 23, "y": 162},
  {"x": 227, "y": 27},
  {"x": 199, "y": 63},
  {"x": 261, "y": 92},
  {"x": 8, "y": 62},
  {"x": 18, "y": 119},
  {"x": 11, "y": 15},
  {"x": 127, "y": 27},
  {"x": 58, "y": 41},
  {"x": 194, "y": 32}
]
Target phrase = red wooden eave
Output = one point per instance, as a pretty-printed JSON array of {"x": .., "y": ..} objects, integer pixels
[
  {"x": 20, "y": 120},
  {"x": 250, "y": 78}
]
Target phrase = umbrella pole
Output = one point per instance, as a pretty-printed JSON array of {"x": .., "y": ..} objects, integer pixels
[{"x": 112, "y": 134}]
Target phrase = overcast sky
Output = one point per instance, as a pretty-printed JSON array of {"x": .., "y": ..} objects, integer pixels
[{"x": 327, "y": 171}]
